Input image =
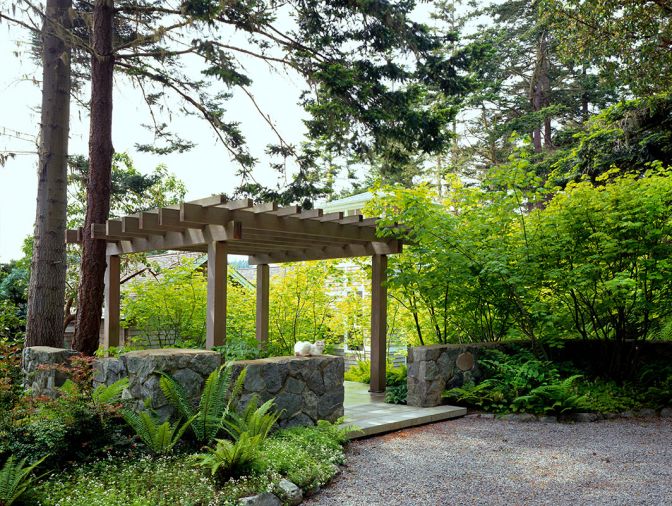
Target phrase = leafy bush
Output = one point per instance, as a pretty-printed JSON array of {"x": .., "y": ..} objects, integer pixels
[
  {"x": 517, "y": 382},
  {"x": 215, "y": 402},
  {"x": 307, "y": 456},
  {"x": 396, "y": 394},
  {"x": 556, "y": 398},
  {"x": 253, "y": 420},
  {"x": 361, "y": 373},
  {"x": 160, "y": 438},
  {"x": 523, "y": 383},
  {"x": 15, "y": 479},
  {"x": 231, "y": 459}
]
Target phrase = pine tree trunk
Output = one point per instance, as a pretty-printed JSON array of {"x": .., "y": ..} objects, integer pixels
[
  {"x": 92, "y": 283},
  {"x": 46, "y": 292}
]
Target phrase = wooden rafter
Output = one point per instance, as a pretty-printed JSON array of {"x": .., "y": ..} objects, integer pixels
[{"x": 266, "y": 233}]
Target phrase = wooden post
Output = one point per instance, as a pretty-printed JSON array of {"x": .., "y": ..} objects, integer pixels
[
  {"x": 112, "y": 302},
  {"x": 262, "y": 304},
  {"x": 378, "y": 323},
  {"x": 217, "y": 279}
]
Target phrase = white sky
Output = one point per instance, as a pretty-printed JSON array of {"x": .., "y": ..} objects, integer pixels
[{"x": 206, "y": 169}]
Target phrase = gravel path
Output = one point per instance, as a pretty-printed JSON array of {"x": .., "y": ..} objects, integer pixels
[{"x": 483, "y": 461}]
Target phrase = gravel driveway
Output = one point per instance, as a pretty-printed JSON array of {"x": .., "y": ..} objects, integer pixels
[{"x": 476, "y": 460}]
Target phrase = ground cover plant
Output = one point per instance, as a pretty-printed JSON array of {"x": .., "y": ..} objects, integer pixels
[
  {"x": 86, "y": 447},
  {"x": 520, "y": 382}
]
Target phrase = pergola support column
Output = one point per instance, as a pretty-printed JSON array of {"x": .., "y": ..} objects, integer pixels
[
  {"x": 112, "y": 302},
  {"x": 263, "y": 292},
  {"x": 378, "y": 323},
  {"x": 217, "y": 280}
]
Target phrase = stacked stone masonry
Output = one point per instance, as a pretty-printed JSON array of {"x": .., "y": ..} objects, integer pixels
[
  {"x": 305, "y": 389},
  {"x": 433, "y": 369}
]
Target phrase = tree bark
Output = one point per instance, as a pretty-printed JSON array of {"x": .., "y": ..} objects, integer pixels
[
  {"x": 46, "y": 291},
  {"x": 92, "y": 280},
  {"x": 540, "y": 95}
]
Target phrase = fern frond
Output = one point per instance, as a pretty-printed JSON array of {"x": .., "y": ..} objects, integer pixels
[
  {"x": 109, "y": 394},
  {"x": 15, "y": 479},
  {"x": 176, "y": 396}
]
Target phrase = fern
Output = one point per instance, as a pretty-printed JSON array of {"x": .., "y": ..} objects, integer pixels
[
  {"x": 104, "y": 395},
  {"x": 231, "y": 458},
  {"x": 15, "y": 478},
  {"x": 556, "y": 398},
  {"x": 254, "y": 420},
  {"x": 214, "y": 404},
  {"x": 160, "y": 438}
]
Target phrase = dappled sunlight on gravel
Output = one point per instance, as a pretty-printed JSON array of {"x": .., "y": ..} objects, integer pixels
[{"x": 483, "y": 461}]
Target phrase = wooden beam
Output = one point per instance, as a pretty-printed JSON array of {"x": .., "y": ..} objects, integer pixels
[
  {"x": 73, "y": 236},
  {"x": 171, "y": 218},
  {"x": 271, "y": 223},
  {"x": 331, "y": 216},
  {"x": 263, "y": 292},
  {"x": 368, "y": 222},
  {"x": 217, "y": 280},
  {"x": 378, "y": 323},
  {"x": 112, "y": 302},
  {"x": 171, "y": 240},
  {"x": 149, "y": 221},
  {"x": 355, "y": 218},
  {"x": 131, "y": 224},
  {"x": 266, "y": 207},
  {"x": 115, "y": 228},
  {"x": 286, "y": 211},
  {"x": 309, "y": 214},
  {"x": 327, "y": 252},
  {"x": 238, "y": 204}
]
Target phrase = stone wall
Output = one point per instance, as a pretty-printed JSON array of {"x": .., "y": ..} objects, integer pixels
[
  {"x": 306, "y": 389},
  {"x": 190, "y": 368},
  {"x": 433, "y": 369},
  {"x": 39, "y": 367}
]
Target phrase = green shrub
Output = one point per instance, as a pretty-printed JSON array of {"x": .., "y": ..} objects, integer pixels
[
  {"x": 557, "y": 398},
  {"x": 361, "y": 373},
  {"x": 231, "y": 459},
  {"x": 396, "y": 394},
  {"x": 215, "y": 402},
  {"x": 160, "y": 438},
  {"x": 253, "y": 420}
]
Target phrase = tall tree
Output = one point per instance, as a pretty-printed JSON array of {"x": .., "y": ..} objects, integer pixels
[
  {"x": 47, "y": 279},
  {"x": 99, "y": 185}
]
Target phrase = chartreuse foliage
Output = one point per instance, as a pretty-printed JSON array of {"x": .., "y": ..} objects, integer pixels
[{"x": 592, "y": 262}]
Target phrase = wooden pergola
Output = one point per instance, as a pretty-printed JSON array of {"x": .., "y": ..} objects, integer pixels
[{"x": 267, "y": 234}]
